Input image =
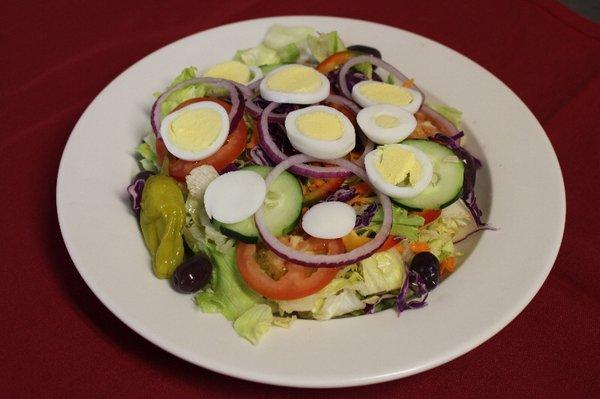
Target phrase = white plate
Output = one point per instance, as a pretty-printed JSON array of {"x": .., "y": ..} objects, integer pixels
[{"x": 520, "y": 189}]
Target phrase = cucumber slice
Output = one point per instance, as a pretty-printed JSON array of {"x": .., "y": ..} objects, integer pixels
[
  {"x": 446, "y": 185},
  {"x": 283, "y": 208}
]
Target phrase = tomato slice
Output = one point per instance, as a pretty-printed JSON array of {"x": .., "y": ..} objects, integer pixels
[
  {"x": 233, "y": 147},
  {"x": 334, "y": 61},
  {"x": 275, "y": 278},
  {"x": 429, "y": 215}
]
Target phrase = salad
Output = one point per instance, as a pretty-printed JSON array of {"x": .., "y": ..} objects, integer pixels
[{"x": 303, "y": 179}]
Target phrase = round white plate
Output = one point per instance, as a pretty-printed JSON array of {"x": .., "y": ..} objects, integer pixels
[{"x": 520, "y": 189}]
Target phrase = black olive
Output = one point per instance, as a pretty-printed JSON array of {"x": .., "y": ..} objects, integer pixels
[
  {"x": 359, "y": 48},
  {"x": 428, "y": 267},
  {"x": 192, "y": 275}
]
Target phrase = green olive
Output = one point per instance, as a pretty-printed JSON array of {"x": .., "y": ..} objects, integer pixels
[{"x": 162, "y": 218}]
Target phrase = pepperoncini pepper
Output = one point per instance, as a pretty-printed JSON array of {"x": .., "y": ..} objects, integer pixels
[{"x": 162, "y": 218}]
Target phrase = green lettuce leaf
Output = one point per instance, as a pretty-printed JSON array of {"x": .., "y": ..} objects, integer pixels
[
  {"x": 314, "y": 303},
  {"x": 452, "y": 114},
  {"x": 324, "y": 45},
  {"x": 184, "y": 94},
  {"x": 254, "y": 323},
  {"x": 199, "y": 233},
  {"x": 381, "y": 272},
  {"x": 439, "y": 235},
  {"x": 279, "y": 36},
  {"x": 403, "y": 224},
  {"x": 258, "y": 56},
  {"x": 147, "y": 152},
  {"x": 288, "y": 54},
  {"x": 340, "y": 304},
  {"x": 228, "y": 293}
]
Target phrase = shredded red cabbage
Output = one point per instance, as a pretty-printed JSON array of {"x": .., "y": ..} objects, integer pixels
[
  {"x": 471, "y": 165},
  {"x": 135, "y": 190},
  {"x": 342, "y": 194},
  {"x": 364, "y": 219},
  {"x": 416, "y": 285},
  {"x": 232, "y": 167}
]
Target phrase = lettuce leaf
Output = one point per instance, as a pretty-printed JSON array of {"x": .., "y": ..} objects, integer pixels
[
  {"x": 254, "y": 323},
  {"x": 147, "y": 152},
  {"x": 258, "y": 56},
  {"x": 324, "y": 45},
  {"x": 279, "y": 36},
  {"x": 228, "y": 293},
  {"x": 452, "y": 114},
  {"x": 381, "y": 272},
  {"x": 288, "y": 54}
]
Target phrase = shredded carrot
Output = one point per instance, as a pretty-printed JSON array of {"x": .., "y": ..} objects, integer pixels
[
  {"x": 408, "y": 83},
  {"x": 448, "y": 265},
  {"x": 419, "y": 247},
  {"x": 253, "y": 141},
  {"x": 363, "y": 188}
]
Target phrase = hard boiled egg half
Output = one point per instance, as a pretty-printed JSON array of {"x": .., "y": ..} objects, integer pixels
[
  {"x": 320, "y": 131},
  {"x": 399, "y": 170},
  {"x": 295, "y": 84},
  {"x": 195, "y": 132},
  {"x": 235, "y": 71},
  {"x": 370, "y": 92},
  {"x": 329, "y": 220},
  {"x": 235, "y": 196},
  {"x": 386, "y": 124}
]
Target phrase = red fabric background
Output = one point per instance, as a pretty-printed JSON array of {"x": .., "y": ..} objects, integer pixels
[{"x": 58, "y": 340}]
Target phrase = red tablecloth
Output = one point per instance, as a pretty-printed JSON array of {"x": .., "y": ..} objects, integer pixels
[{"x": 58, "y": 340}]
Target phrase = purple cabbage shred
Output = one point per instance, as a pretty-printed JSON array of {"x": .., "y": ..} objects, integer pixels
[
  {"x": 364, "y": 219},
  {"x": 471, "y": 166},
  {"x": 342, "y": 194},
  {"x": 135, "y": 190},
  {"x": 232, "y": 167},
  {"x": 414, "y": 283}
]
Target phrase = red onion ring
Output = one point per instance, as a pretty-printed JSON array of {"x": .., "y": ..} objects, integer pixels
[
  {"x": 446, "y": 127},
  {"x": 276, "y": 155},
  {"x": 374, "y": 61},
  {"x": 305, "y": 259},
  {"x": 235, "y": 95},
  {"x": 255, "y": 111}
]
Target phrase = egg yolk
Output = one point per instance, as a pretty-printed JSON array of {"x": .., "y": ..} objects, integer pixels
[
  {"x": 196, "y": 129},
  {"x": 320, "y": 125},
  {"x": 385, "y": 93},
  {"x": 398, "y": 166},
  {"x": 387, "y": 121},
  {"x": 295, "y": 79},
  {"x": 232, "y": 70}
]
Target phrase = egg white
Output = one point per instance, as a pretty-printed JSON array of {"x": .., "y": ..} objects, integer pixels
[
  {"x": 322, "y": 149},
  {"x": 203, "y": 153},
  {"x": 294, "y": 98},
  {"x": 381, "y": 135},
  {"x": 235, "y": 196},
  {"x": 396, "y": 191},
  {"x": 363, "y": 101},
  {"x": 329, "y": 220}
]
